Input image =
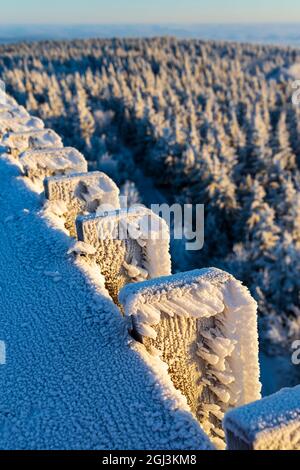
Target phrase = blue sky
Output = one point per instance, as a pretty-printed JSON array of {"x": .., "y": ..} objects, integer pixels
[{"x": 148, "y": 11}]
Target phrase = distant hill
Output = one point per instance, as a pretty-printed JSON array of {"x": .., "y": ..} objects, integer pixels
[{"x": 284, "y": 34}]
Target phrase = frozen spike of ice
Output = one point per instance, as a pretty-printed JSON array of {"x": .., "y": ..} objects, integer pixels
[
  {"x": 210, "y": 407},
  {"x": 237, "y": 296},
  {"x": 146, "y": 330},
  {"x": 58, "y": 208},
  {"x": 135, "y": 271},
  {"x": 142, "y": 243},
  {"x": 175, "y": 308},
  {"x": 165, "y": 306},
  {"x": 206, "y": 381},
  {"x": 222, "y": 346},
  {"x": 221, "y": 365},
  {"x": 207, "y": 356},
  {"x": 81, "y": 248},
  {"x": 221, "y": 393},
  {"x": 218, "y": 442},
  {"x": 223, "y": 378},
  {"x": 212, "y": 304},
  {"x": 190, "y": 305},
  {"x": 152, "y": 314},
  {"x": 219, "y": 432},
  {"x": 162, "y": 308},
  {"x": 219, "y": 414}
]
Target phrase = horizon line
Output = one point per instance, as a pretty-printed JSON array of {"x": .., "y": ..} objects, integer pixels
[{"x": 171, "y": 23}]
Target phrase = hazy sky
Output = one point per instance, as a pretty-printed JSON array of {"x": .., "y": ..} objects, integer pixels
[{"x": 148, "y": 11}]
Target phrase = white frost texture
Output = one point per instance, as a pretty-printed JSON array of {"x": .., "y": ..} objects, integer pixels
[
  {"x": 11, "y": 124},
  {"x": 31, "y": 139},
  {"x": 94, "y": 190},
  {"x": 39, "y": 163},
  {"x": 73, "y": 378},
  {"x": 203, "y": 323},
  {"x": 13, "y": 111},
  {"x": 272, "y": 423}
]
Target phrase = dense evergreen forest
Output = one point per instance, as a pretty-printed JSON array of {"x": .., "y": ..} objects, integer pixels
[{"x": 206, "y": 122}]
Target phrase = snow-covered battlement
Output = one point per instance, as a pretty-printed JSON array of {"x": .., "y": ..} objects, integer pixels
[
  {"x": 71, "y": 195},
  {"x": 197, "y": 349},
  {"x": 18, "y": 113},
  {"x": 203, "y": 324},
  {"x": 272, "y": 423},
  {"x": 17, "y": 142},
  {"x": 10, "y": 124},
  {"x": 79, "y": 331},
  {"x": 39, "y": 163},
  {"x": 130, "y": 246}
]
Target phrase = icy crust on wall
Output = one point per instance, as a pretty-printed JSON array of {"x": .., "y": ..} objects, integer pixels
[
  {"x": 40, "y": 163},
  {"x": 11, "y": 124},
  {"x": 79, "y": 365},
  {"x": 203, "y": 325},
  {"x": 83, "y": 193},
  {"x": 13, "y": 112},
  {"x": 272, "y": 423},
  {"x": 19, "y": 142},
  {"x": 141, "y": 252}
]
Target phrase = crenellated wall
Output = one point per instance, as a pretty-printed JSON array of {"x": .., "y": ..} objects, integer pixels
[{"x": 199, "y": 327}]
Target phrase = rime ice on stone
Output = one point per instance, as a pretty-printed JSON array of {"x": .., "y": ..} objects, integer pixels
[
  {"x": 18, "y": 142},
  {"x": 272, "y": 423},
  {"x": 204, "y": 325},
  {"x": 131, "y": 246},
  {"x": 10, "y": 124},
  {"x": 40, "y": 163},
  {"x": 13, "y": 111},
  {"x": 8, "y": 101},
  {"x": 82, "y": 193}
]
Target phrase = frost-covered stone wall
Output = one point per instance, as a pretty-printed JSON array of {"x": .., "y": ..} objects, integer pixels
[{"x": 197, "y": 331}]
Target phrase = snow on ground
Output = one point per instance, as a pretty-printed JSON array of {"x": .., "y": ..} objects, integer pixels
[{"x": 73, "y": 378}]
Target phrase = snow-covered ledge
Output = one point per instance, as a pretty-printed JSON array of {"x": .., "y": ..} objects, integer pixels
[
  {"x": 79, "y": 194},
  {"x": 203, "y": 324},
  {"x": 129, "y": 245},
  {"x": 18, "y": 142},
  {"x": 91, "y": 371},
  {"x": 272, "y": 423},
  {"x": 9, "y": 123}
]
